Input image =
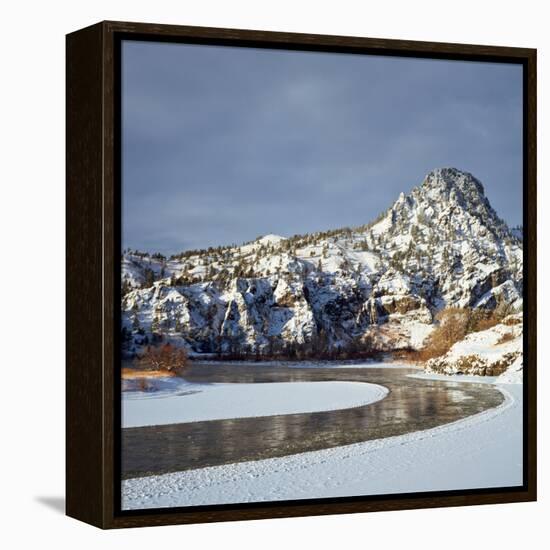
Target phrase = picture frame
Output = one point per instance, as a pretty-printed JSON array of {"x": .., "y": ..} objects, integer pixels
[{"x": 93, "y": 245}]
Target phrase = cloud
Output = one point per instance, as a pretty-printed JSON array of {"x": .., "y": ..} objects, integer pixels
[{"x": 223, "y": 144}]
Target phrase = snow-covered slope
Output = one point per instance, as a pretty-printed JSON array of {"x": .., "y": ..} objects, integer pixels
[
  {"x": 497, "y": 351},
  {"x": 441, "y": 245}
]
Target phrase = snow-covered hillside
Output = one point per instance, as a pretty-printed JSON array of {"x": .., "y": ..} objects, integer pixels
[
  {"x": 497, "y": 351},
  {"x": 441, "y": 245}
]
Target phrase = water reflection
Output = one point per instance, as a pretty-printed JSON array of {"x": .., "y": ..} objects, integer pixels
[{"x": 412, "y": 405}]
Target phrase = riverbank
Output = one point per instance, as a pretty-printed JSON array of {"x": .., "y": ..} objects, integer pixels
[{"x": 187, "y": 452}]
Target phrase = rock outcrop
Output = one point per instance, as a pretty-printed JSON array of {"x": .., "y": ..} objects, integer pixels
[{"x": 441, "y": 245}]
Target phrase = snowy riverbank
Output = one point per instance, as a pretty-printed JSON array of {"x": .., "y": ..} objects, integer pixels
[
  {"x": 481, "y": 451},
  {"x": 178, "y": 401}
]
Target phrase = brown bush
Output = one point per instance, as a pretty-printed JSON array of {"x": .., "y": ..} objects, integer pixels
[
  {"x": 511, "y": 321},
  {"x": 481, "y": 319},
  {"x": 166, "y": 357},
  {"x": 506, "y": 337},
  {"x": 471, "y": 364},
  {"x": 500, "y": 366},
  {"x": 485, "y": 324}
]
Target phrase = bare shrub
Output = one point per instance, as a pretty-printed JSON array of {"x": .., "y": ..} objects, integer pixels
[
  {"x": 506, "y": 337},
  {"x": 481, "y": 319},
  {"x": 511, "y": 321},
  {"x": 471, "y": 364},
  {"x": 486, "y": 323},
  {"x": 165, "y": 358}
]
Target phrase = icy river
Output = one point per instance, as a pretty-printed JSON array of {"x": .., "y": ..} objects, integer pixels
[{"x": 409, "y": 405}]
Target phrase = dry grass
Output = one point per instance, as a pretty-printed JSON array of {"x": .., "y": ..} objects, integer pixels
[
  {"x": 506, "y": 337},
  {"x": 133, "y": 374},
  {"x": 511, "y": 321},
  {"x": 486, "y": 323}
]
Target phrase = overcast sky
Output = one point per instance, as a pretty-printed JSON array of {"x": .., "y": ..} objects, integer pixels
[{"x": 221, "y": 145}]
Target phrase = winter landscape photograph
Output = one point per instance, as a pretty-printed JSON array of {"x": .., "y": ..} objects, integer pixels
[{"x": 321, "y": 275}]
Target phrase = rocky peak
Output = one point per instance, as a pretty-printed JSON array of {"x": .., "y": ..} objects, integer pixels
[
  {"x": 452, "y": 187},
  {"x": 453, "y": 201},
  {"x": 448, "y": 179}
]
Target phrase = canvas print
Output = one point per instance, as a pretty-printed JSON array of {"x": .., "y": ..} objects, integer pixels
[{"x": 321, "y": 275}]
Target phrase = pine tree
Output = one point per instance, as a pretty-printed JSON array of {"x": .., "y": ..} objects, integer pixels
[
  {"x": 149, "y": 278},
  {"x": 155, "y": 324}
]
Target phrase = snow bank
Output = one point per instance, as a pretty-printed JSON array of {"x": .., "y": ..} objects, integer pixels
[
  {"x": 514, "y": 374},
  {"x": 455, "y": 377},
  {"x": 481, "y": 451},
  {"x": 193, "y": 402}
]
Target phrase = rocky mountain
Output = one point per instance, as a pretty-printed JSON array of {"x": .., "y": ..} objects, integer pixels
[{"x": 442, "y": 245}]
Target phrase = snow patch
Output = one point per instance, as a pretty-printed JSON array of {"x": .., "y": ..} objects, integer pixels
[{"x": 198, "y": 402}]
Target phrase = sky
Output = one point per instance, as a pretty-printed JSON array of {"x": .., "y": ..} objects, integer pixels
[{"x": 221, "y": 145}]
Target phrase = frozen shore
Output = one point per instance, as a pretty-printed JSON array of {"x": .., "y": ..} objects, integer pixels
[{"x": 177, "y": 401}]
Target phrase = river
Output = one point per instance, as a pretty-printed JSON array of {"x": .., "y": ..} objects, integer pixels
[{"x": 412, "y": 404}]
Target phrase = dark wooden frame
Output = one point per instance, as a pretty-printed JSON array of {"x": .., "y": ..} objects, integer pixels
[{"x": 93, "y": 252}]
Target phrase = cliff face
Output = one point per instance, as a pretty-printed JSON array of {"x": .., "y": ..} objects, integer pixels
[{"x": 441, "y": 245}]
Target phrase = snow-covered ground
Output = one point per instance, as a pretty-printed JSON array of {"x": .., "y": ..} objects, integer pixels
[
  {"x": 178, "y": 401},
  {"x": 484, "y": 450},
  {"x": 509, "y": 377}
]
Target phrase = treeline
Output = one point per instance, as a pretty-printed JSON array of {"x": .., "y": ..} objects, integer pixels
[
  {"x": 289, "y": 244},
  {"x": 200, "y": 252},
  {"x": 140, "y": 254},
  {"x": 221, "y": 263},
  {"x": 318, "y": 348}
]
